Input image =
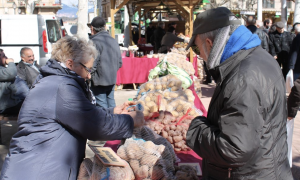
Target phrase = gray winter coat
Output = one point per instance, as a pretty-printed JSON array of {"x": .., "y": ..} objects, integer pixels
[
  {"x": 8, "y": 90},
  {"x": 108, "y": 61},
  {"x": 55, "y": 121},
  {"x": 244, "y": 134},
  {"x": 168, "y": 41}
]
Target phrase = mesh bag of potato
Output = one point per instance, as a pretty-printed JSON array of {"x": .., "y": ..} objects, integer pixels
[
  {"x": 160, "y": 84},
  {"x": 95, "y": 170},
  {"x": 179, "y": 60},
  {"x": 176, "y": 102},
  {"x": 172, "y": 128},
  {"x": 147, "y": 160},
  {"x": 148, "y": 134}
]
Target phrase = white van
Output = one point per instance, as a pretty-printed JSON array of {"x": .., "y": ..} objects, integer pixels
[{"x": 37, "y": 32}]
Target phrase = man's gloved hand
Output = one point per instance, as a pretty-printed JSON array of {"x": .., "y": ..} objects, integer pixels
[{"x": 138, "y": 118}]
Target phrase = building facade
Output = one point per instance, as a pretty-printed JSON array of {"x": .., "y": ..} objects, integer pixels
[{"x": 43, "y": 7}]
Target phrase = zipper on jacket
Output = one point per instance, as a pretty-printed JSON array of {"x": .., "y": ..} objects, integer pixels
[{"x": 229, "y": 172}]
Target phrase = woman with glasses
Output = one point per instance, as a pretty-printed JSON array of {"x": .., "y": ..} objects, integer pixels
[{"x": 59, "y": 115}]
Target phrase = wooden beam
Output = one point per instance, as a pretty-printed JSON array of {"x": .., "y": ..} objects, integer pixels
[
  {"x": 191, "y": 19},
  {"x": 122, "y": 4},
  {"x": 112, "y": 17},
  {"x": 182, "y": 9},
  {"x": 141, "y": 5},
  {"x": 182, "y": 5},
  {"x": 140, "y": 27}
]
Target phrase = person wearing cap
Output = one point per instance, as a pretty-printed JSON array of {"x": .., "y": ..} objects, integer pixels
[
  {"x": 244, "y": 133},
  {"x": 280, "y": 43},
  {"x": 106, "y": 65},
  {"x": 250, "y": 23},
  {"x": 169, "y": 40}
]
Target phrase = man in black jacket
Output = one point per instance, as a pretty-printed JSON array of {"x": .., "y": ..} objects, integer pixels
[
  {"x": 244, "y": 134},
  {"x": 280, "y": 43},
  {"x": 251, "y": 21},
  {"x": 158, "y": 35},
  {"x": 294, "y": 59},
  {"x": 106, "y": 65},
  {"x": 28, "y": 69}
]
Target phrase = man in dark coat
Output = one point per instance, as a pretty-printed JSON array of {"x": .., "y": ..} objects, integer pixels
[
  {"x": 58, "y": 116},
  {"x": 251, "y": 21},
  {"x": 28, "y": 69},
  {"x": 149, "y": 31},
  {"x": 267, "y": 24},
  {"x": 244, "y": 134},
  {"x": 295, "y": 53},
  {"x": 106, "y": 65},
  {"x": 13, "y": 90},
  {"x": 280, "y": 43},
  {"x": 158, "y": 35}
]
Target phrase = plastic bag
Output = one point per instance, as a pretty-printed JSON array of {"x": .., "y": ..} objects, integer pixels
[
  {"x": 146, "y": 160},
  {"x": 289, "y": 81},
  {"x": 164, "y": 67},
  {"x": 290, "y": 130}
]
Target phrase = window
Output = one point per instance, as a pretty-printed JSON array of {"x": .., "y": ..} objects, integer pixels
[
  {"x": 54, "y": 31},
  {"x": 289, "y": 4},
  {"x": 268, "y": 3}
]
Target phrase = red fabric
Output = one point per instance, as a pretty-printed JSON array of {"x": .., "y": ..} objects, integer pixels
[
  {"x": 142, "y": 47},
  {"x": 197, "y": 102},
  {"x": 135, "y": 70},
  {"x": 195, "y": 64}
]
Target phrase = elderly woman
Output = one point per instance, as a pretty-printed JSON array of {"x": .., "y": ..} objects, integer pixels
[{"x": 59, "y": 115}]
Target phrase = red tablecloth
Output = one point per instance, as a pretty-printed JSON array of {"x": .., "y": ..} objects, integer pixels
[
  {"x": 185, "y": 157},
  {"x": 135, "y": 70}
]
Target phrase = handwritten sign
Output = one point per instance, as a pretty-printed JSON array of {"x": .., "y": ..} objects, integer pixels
[{"x": 107, "y": 156}]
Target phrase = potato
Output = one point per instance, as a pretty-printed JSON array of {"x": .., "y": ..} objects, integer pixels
[
  {"x": 135, "y": 165},
  {"x": 151, "y": 87},
  {"x": 169, "y": 108},
  {"x": 179, "y": 128},
  {"x": 154, "y": 109},
  {"x": 180, "y": 114},
  {"x": 142, "y": 172},
  {"x": 174, "y": 88},
  {"x": 149, "y": 160},
  {"x": 188, "y": 92},
  {"x": 175, "y": 113},
  {"x": 173, "y": 95},
  {"x": 164, "y": 79},
  {"x": 158, "y": 87},
  {"x": 179, "y": 108},
  {"x": 166, "y": 94},
  {"x": 150, "y": 104},
  {"x": 164, "y": 87},
  {"x": 122, "y": 153},
  {"x": 173, "y": 127},
  {"x": 146, "y": 113},
  {"x": 179, "y": 144},
  {"x": 147, "y": 99},
  {"x": 167, "y": 127},
  {"x": 164, "y": 134},
  {"x": 149, "y": 145},
  {"x": 171, "y": 133},
  {"x": 177, "y": 139},
  {"x": 170, "y": 139},
  {"x": 177, "y": 149},
  {"x": 171, "y": 83},
  {"x": 161, "y": 148}
]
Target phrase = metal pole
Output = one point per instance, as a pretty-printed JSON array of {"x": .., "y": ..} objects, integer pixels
[
  {"x": 82, "y": 20},
  {"x": 284, "y": 13},
  {"x": 259, "y": 10},
  {"x": 297, "y": 12}
]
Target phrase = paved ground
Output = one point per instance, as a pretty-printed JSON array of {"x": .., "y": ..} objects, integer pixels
[{"x": 8, "y": 128}]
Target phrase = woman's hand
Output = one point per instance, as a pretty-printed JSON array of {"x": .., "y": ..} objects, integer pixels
[{"x": 138, "y": 118}]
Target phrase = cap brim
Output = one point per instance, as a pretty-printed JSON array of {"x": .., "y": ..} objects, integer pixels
[{"x": 192, "y": 42}]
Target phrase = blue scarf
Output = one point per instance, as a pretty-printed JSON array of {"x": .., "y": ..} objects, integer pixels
[{"x": 241, "y": 39}]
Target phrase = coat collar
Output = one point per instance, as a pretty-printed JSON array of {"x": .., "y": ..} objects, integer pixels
[
  {"x": 99, "y": 33},
  {"x": 220, "y": 72}
]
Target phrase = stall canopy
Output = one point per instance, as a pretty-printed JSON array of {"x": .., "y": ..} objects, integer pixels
[{"x": 151, "y": 8}]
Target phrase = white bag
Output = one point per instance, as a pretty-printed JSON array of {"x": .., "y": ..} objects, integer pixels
[
  {"x": 290, "y": 129},
  {"x": 289, "y": 81}
]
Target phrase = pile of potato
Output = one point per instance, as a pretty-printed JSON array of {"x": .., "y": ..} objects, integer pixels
[
  {"x": 179, "y": 60},
  {"x": 176, "y": 102},
  {"x": 160, "y": 84},
  {"x": 146, "y": 160},
  {"x": 170, "y": 128}
]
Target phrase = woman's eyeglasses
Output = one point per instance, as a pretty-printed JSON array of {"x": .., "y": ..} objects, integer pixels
[{"x": 87, "y": 69}]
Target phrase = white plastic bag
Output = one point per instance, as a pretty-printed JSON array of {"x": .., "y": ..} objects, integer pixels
[
  {"x": 290, "y": 129},
  {"x": 289, "y": 81}
]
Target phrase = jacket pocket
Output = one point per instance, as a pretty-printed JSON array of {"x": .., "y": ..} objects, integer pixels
[{"x": 216, "y": 172}]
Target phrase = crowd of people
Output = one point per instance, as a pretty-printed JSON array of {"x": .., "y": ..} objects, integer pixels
[{"x": 70, "y": 100}]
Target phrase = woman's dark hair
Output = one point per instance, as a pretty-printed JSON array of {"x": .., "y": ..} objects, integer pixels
[{"x": 171, "y": 29}]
